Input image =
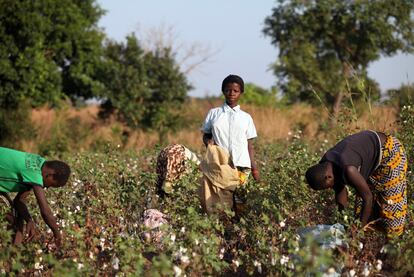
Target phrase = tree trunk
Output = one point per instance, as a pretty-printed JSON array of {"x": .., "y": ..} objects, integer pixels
[
  {"x": 336, "y": 108},
  {"x": 162, "y": 136}
]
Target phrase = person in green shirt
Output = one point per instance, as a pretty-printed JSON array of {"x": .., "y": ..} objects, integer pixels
[{"x": 23, "y": 172}]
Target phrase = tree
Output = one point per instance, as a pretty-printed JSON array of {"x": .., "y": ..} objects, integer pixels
[
  {"x": 326, "y": 46},
  {"x": 256, "y": 95},
  {"x": 189, "y": 56},
  {"x": 125, "y": 81},
  {"x": 145, "y": 89},
  {"x": 169, "y": 89},
  {"x": 49, "y": 49}
]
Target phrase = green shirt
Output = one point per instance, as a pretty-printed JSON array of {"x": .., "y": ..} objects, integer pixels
[{"x": 18, "y": 169}]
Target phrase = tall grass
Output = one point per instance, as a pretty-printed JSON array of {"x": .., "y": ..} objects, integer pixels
[{"x": 81, "y": 129}]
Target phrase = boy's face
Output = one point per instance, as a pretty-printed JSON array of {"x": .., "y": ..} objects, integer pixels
[
  {"x": 232, "y": 92},
  {"x": 49, "y": 180},
  {"x": 329, "y": 177}
]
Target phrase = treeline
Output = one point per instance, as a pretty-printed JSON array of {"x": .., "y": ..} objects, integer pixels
[{"x": 54, "y": 51}]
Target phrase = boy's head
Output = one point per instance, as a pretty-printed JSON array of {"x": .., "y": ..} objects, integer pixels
[
  {"x": 55, "y": 174},
  {"x": 320, "y": 176},
  {"x": 232, "y": 87},
  {"x": 232, "y": 79}
]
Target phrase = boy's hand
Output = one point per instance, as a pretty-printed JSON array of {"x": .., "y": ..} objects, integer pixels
[
  {"x": 210, "y": 141},
  {"x": 58, "y": 240},
  {"x": 18, "y": 238},
  {"x": 30, "y": 230},
  {"x": 56, "y": 244},
  {"x": 256, "y": 174}
]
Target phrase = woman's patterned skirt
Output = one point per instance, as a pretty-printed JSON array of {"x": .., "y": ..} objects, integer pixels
[{"x": 389, "y": 186}]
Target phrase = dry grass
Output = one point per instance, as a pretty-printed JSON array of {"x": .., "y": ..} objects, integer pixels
[
  {"x": 273, "y": 124},
  {"x": 381, "y": 119}
]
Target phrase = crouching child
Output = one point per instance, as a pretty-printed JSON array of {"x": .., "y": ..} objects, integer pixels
[{"x": 23, "y": 172}]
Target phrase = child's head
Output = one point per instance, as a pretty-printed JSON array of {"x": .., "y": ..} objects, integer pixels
[
  {"x": 55, "y": 174},
  {"x": 232, "y": 87},
  {"x": 232, "y": 79},
  {"x": 320, "y": 176}
]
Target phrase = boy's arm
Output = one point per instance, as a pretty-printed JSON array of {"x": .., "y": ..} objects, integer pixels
[
  {"x": 19, "y": 203},
  {"x": 23, "y": 215},
  {"x": 255, "y": 170},
  {"x": 46, "y": 213},
  {"x": 207, "y": 130},
  {"x": 356, "y": 179},
  {"x": 341, "y": 197},
  {"x": 19, "y": 226}
]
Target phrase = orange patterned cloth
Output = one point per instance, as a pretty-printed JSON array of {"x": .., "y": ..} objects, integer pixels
[
  {"x": 389, "y": 186},
  {"x": 172, "y": 164}
]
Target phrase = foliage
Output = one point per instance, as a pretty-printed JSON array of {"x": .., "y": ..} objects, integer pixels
[
  {"x": 406, "y": 136},
  {"x": 100, "y": 214},
  {"x": 15, "y": 125},
  {"x": 49, "y": 49},
  {"x": 402, "y": 96},
  {"x": 326, "y": 46},
  {"x": 145, "y": 89},
  {"x": 256, "y": 95}
]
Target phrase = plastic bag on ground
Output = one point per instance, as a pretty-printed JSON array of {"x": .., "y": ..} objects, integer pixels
[{"x": 327, "y": 237}]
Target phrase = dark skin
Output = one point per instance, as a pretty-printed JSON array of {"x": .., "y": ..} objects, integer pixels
[
  {"x": 356, "y": 180},
  {"x": 19, "y": 203},
  {"x": 232, "y": 92}
]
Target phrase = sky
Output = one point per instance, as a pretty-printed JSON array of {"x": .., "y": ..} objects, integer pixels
[{"x": 229, "y": 33}]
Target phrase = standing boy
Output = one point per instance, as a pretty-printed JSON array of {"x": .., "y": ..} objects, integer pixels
[
  {"x": 233, "y": 129},
  {"x": 21, "y": 172},
  {"x": 374, "y": 164}
]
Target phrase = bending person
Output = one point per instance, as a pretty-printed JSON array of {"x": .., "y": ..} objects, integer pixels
[
  {"x": 375, "y": 165},
  {"x": 23, "y": 172}
]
